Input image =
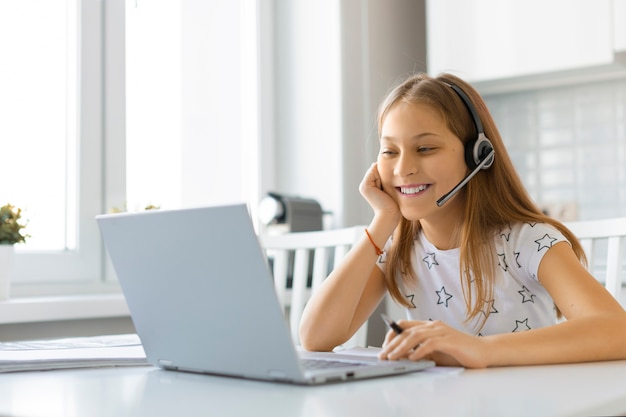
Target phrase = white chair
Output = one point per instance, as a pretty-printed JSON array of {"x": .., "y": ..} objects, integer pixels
[
  {"x": 300, "y": 262},
  {"x": 603, "y": 242}
]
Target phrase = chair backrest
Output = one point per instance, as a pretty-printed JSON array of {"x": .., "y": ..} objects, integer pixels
[
  {"x": 603, "y": 242},
  {"x": 300, "y": 262}
]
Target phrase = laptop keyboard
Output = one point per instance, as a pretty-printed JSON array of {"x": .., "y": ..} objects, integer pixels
[{"x": 328, "y": 364}]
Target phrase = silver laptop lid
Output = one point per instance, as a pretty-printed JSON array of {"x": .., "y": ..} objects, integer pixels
[{"x": 198, "y": 288}]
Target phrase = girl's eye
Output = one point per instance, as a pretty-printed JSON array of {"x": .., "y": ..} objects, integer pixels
[
  {"x": 424, "y": 149},
  {"x": 387, "y": 152}
]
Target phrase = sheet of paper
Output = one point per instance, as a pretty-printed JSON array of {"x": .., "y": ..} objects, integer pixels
[
  {"x": 99, "y": 351},
  {"x": 367, "y": 352}
]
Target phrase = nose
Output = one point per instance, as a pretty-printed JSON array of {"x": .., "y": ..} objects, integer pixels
[{"x": 406, "y": 165}]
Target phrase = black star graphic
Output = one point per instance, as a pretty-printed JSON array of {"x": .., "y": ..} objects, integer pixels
[
  {"x": 411, "y": 297},
  {"x": 489, "y": 306},
  {"x": 516, "y": 259},
  {"x": 524, "y": 326},
  {"x": 545, "y": 242},
  {"x": 443, "y": 294},
  {"x": 502, "y": 261},
  {"x": 506, "y": 233},
  {"x": 382, "y": 258},
  {"x": 430, "y": 260},
  {"x": 526, "y": 295}
]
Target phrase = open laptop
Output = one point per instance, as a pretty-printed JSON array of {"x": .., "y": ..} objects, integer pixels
[{"x": 201, "y": 297}]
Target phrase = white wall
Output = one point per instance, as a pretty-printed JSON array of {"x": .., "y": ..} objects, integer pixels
[
  {"x": 212, "y": 125},
  {"x": 333, "y": 63},
  {"x": 307, "y": 100}
]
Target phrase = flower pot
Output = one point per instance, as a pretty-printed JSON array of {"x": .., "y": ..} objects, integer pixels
[{"x": 7, "y": 252}]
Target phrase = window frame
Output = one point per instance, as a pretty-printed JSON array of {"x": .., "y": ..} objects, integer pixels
[
  {"x": 102, "y": 154},
  {"x": 100, "y": 122}
]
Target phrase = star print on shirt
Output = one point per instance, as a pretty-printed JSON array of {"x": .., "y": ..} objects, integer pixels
[
  {"x": 382, "y": 258},
  {"x": 443, "y": 294},
  {"x": 504, "y": 265},
  {"x": 545, "y": 242},
  {"x": 488, "y": 306},
  {"x": 506, "y": 233},
  {"x": 502, "y": 262},
  {"x": 521, "y": 326},
  {"x": 527, "y": 296},
  {"x": 411, "y": 297},
  {"x": 430, "y": 260}
]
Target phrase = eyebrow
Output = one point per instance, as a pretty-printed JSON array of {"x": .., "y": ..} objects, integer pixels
[{"x": 416, "y": 137}]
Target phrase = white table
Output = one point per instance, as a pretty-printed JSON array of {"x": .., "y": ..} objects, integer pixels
[{"x": 558, "y": 390}]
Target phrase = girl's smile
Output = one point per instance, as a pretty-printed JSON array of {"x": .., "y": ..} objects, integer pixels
[{"x": 412, "y": 190}]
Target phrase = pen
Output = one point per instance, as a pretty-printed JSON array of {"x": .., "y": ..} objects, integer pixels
[{"x": 392, "y": 324}]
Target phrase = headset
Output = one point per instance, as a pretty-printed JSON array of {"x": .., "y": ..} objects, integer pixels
[{"x": 479, "y": 152}]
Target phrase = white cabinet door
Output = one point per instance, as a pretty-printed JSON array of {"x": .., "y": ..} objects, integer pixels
[{"x": 492, "y": 39}]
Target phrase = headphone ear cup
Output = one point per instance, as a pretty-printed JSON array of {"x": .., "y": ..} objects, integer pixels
[{"x": 477, "y": 150}]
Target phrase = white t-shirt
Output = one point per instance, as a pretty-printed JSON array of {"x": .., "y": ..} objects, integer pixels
[{"x": 519, "y": 301}]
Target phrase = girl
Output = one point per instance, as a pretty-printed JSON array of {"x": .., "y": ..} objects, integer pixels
[{"x": 483, "y": 274}]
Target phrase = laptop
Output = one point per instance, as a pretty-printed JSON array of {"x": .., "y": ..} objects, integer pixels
[{"x": 201, "y": 297}]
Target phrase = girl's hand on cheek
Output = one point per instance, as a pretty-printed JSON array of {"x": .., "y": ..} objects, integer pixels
[{"x": 371, "y": 188}]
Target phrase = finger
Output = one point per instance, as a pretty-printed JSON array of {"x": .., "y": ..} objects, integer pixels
[
  {"x": 428, "y": 351},
  {"x": 372, "y": 178},
  {"x": 389, "y": 336},
  {"x": 378, "y": 183},
  {"x": 422, "y": 350},
  {"x": 415, "y": 333},
  {"x": 366, "y": 181},
  {"x": 404, "y": 348},
  {"x": 400, "y": 346}
]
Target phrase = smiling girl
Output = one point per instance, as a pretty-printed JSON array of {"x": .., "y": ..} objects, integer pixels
[{"x": 485, "y": 277}]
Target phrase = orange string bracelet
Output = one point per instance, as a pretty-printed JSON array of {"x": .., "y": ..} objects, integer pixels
[{"x": 379, "y": 251}]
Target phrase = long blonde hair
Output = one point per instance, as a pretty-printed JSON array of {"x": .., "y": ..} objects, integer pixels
[{"x": 493, "y": 199}]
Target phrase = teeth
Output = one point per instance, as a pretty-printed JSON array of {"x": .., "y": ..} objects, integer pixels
[{"x": 412, "y": 190}]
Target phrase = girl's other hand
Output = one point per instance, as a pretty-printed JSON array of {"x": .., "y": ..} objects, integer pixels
[{"x": 435, "y": 340}]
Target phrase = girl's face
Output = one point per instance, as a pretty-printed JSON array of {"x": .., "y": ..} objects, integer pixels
[{"x": 420, "y": 160}]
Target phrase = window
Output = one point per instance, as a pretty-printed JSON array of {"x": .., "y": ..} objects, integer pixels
[
  {"x": 120, "y": 104},
  {"x": 191, "y": 103},
  {"x": 44, "y": 84},
  {"x": 51, "y": 66}
]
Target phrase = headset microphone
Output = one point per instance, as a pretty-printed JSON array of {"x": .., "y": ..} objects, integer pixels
[
  {"x": 479, "y": 153},
  {"x": 486, "y": 160}
]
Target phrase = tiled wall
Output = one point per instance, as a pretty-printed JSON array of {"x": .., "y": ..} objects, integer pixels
[{"x": 569, "y": 146}]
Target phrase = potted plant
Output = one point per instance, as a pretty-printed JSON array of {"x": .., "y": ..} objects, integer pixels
[
  {"x": 11, "y": 232},
  {"x": 11, "y": 229}
]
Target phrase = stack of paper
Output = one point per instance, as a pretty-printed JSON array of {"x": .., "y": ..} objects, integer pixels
[{"x": 78, "y": 352}]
